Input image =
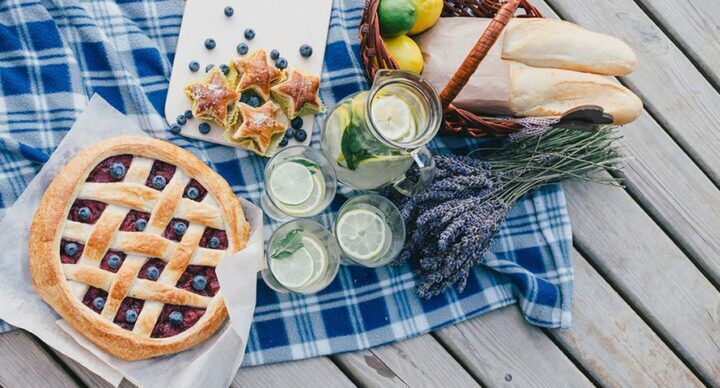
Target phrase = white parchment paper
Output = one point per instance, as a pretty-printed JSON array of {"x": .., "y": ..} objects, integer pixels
[{"x": 212, "y": 363}]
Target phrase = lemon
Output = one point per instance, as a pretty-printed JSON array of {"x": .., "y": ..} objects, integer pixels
[
  {"x": 295, "y": 270},
  {"x": 428, "y": 12},
  {"x": 406, "y": 53},
  {"x": 393, "y": 117},
  {"x": 311, "y": 204},
  {"x": 291, "y": 183},
  {"x": 396, "y": 17},
  {"x": 361, "y": 234},
  {"x": 320, "y": 260}
]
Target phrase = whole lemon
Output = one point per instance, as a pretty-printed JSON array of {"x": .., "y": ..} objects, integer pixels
[
  {"x": 428, "y": 13},
  {"x": 396, "y": 17},
  {"x": 406, "y": 53}
]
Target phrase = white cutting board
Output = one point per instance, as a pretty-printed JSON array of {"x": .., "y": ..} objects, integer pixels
[{"x": 279, "y": 24}]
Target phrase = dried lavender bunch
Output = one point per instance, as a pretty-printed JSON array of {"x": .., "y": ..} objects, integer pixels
[{"x": 453, "y": 223}]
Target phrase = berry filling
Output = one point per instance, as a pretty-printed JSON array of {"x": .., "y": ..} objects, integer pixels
[
  {"x": 101, "y": 172},
  {"x": 112, "y": 261},
  {"x": 126, "y": 319},
  {"x": 154, "y": 262},
  {"x": 195, "y": 191},
  {"x": 200, "y": 280},
  {"x": 164, "y": 328},
  {"x": 86, "y": 211},
  {"x": 128, "y": 224},
  {"x": 92, "y": 294},
  {"x": 160, "y": 169},
  {"x": 212, "y": 236},
  {"x": 175, "y": 229},
  {"x": 70, "y": 254}
]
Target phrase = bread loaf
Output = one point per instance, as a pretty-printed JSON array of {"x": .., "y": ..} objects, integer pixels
[
  {"x": 538, "y": 92},
  {"x": 562, "y": 45}
]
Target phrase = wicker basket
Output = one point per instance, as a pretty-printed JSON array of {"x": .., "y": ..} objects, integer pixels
[{"x": 375, "y": 56}]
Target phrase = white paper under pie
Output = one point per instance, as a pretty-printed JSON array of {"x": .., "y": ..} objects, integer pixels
[
  {"x": 284, "y": 25},
  {"x": 211, "y": 363}
]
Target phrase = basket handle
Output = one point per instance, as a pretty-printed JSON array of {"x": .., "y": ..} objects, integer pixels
[{"x": 478, "y": 53}]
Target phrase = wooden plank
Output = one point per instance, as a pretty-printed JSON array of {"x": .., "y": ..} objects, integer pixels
[
  {"x": 500, "y": 348},
  {"x": 89, "y": 378},
  {"x": 26, "y": 364},
  {"x": 416, "y": 362},
  {"x": 313, "y": 372},
  {"x": 611, "y": 341}
]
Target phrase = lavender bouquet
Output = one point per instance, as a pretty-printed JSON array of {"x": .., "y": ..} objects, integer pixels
[{"x": 453, "y": 223}]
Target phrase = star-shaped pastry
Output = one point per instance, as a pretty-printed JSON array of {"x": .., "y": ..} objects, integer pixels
[
  {"x": 298, "y": 94},
  {"x": 211, "y": 98},
  {"x": 259, "y": 125},
  {"x": 256, "y": 74}
]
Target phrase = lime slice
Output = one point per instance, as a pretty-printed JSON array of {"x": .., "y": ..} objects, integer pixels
[
  {"x": 393, "y": 117},
  {"x": 361, "y": 234},
  {"x": 291, "y": 183},
  {"x": 295, "y": 270},
  {"x": 320, "y": 260},
  {"x": 313, "y": 201}
]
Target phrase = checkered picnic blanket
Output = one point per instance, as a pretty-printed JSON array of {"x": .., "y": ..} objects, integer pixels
[{"x": 54, "y": 54}]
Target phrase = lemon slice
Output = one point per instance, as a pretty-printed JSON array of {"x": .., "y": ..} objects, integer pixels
[
  {"x": 393, "y": 117},
  {"x": 320, "y": 260},
  {"x": 291, "y": 183},
  {"x": 295, "y": 270},
  {"x": 313, "y": 201},
  {"x": 361, "y": 234}
]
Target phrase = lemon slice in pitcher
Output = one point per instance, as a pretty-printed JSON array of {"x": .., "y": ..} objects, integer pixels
[
  {"x": 361, "y": 234},
  {"x": 291, "y": 183},
  {"x": 392, "y": 117}
]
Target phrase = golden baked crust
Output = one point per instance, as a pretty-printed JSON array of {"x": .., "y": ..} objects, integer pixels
[{"x": 51, "y": 278}]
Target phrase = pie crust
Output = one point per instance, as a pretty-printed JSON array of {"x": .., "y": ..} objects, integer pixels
[{"x": 65, "y": 285}]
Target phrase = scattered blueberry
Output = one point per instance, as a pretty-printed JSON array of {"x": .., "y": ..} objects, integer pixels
[
  {"x": 188, "y": 114},
  {"x": 274, "y": 54},
  {"x": 249, "y": 34},
  {"x": 179, "y": 228},
  {"x": 140, "y": 224},
  {"x": 214, "y": 242},
  {"x": 131, "y": 316},
  {"x": 117, "y": 170},
  {"x": 229, "y": 11},
  {"x": 181, "y": 119},
  {"x": 175, "y": 128},
  {"x": 99, "y": 303},
  {"x": 194, "y": 66},
  {"x": 204, "y": 128},
  {"x": 283, "y": 142},
  {"x": 210, "y": 43},
  {"x": 199, "y": 282},
  {"x": 289, "y": 133},
  {"x": 300, "y": 135},
  {"x": 84, "y": 213},
  {"x": 224, "y": 68},
  {"x": 175, "y": 318},
  {"x": 281, "y": 63},
  {"x": 153, "y": 273},
  {"x": 209, "y": 67},
  {"x": 297, "y": 123},
  {"x": 114, "y": 261},
  {"x": 254, "y": 101},
  {"x": 193, "y": 192},
  {"x": 159, "y": 182},
  {"x": 306, "y": 50},
  {"x": 242, "y": 48},
  {"x": 70, "y": 249},
  {"x": 245, "y": 98}
]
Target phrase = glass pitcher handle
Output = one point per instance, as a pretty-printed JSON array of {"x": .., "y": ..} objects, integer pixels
[{"x": 426, "y": 169}]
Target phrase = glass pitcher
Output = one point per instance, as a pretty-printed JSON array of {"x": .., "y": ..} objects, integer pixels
[{"x": 374, "y": 137}]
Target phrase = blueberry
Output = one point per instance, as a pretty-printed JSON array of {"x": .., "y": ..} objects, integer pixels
[
  {"x": 210, "y": 43},
  {"x": 249, "y": 33},
  {"x": 242, "y": 49},
  {"x": 306, "y": 50},
  {"x": 114, "y": 261},
  {"x": 84, "y": 213},
  {"x": 159, "y": 182},
  {"x": 229, "y": 11},
  {"x": 70, "y": 249},
  {"x": 289, "y": 133},
  {"x": 140, "y": 224},
  {"x": 117, "y": 170},
  {"x": 209, "y": 67},
  {"x": 274, "y": 54},
  {"x": 175, "y": 128},
  {"x": 131, "y": 316},
  {"x": 99, "y": 303},
  {"x": 297, "y": 123},
  {"x": 300, "y": 135},
  {"x": 254, "y": 101},
  {"x": 204, "y": 128},
  {"x": 193, "y": 192},
  {"x": 214, "y": 242},
  {"x": 179, "y": 228},
  {"x": 199, "y": 282},
  {"x": 281, "y": 63},
  {"x": 153, "y": 273},
  {"x": 181, "y": 119},
  {"x": 188, "y": 114},
  {"x": 194, "y": 66},
  {"x": 224, "y": 68},
  {"x": 283, "y": 142},
  {"x": 245, "y": 98},
  {"x": 175, "y": 318}
]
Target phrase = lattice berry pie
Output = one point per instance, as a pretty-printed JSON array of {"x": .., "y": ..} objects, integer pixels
[{"x": 125, "y": 243}]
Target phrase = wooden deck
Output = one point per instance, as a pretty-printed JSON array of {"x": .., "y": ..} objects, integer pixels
[{"x": 647, "y": 257}]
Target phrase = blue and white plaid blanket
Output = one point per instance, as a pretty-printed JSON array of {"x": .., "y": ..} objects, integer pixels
[{"x": 54, "y": 54}]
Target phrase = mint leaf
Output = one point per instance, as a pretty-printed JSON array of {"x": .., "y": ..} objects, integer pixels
[
  {"x": 287, "y": 245},
  {"x": 312, "y": 166}
]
